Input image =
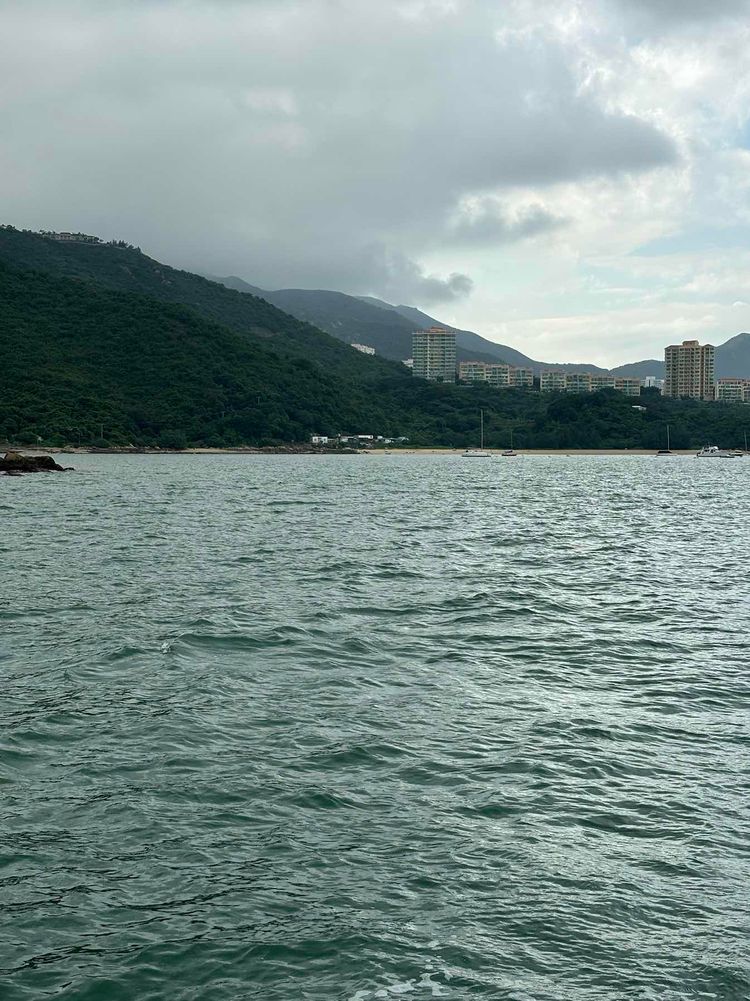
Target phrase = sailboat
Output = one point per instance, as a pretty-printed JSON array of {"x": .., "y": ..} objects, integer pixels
[
  {"x": 478, "y": 453},
  {"x": 510, "y": 451},
  {"x": 667, "y": 450}
]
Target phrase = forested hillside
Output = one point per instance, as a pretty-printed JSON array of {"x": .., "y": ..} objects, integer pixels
[
  {"x": 82, "y": 362},
  {"x": 79, "y": 362},
  {"x": 129, "y": 270}
]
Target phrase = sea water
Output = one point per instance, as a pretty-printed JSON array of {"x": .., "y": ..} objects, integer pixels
[{"x": 365, "y": 727}]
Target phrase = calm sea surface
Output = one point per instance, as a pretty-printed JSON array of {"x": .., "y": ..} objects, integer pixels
[{"x": 353, "y": 728}]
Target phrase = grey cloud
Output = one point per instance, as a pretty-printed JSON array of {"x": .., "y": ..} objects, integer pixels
[
  {"x": 309, "y": 143},
  {"x": 685, "y": 11},
  {"x": 489, "y": 223},
  {"x": 455, "y": 286}
]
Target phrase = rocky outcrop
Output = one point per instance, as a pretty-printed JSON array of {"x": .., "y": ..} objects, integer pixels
[{"x": 14, "y": 463}]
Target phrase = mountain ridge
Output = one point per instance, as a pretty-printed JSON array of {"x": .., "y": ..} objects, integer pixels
[
  {"x": 103, "y": 344},
  {"x": 393, "y": 340}
]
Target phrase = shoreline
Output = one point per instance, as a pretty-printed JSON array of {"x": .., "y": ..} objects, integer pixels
[{"x": 379, "y": 452}]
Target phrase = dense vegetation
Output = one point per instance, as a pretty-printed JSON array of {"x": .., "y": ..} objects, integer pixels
[
  {"x": 79, "y": 362},
  {"x": 128, "y": 270},
  {"x": 84, "y": 363}
]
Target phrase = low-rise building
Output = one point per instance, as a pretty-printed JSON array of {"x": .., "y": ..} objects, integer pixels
[
  {"x": 732, "y": 390},
  {"x": 70, "y": 237},
  {"x": 554, "y": 381},
  {"x": 628, "y": 385},
  {"x": 578, "y": 382},
  {"x": 319, "y": 439},
  {"x": 364, "y": 348},
  {"x": 521, "y": 377},
  {"x": 472, "y": 371},
  {"x": 495, "y": 373}
]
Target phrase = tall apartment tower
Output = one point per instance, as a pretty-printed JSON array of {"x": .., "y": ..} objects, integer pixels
[
  {"x": 689, "y": 370},
  {"x": 434, "y": 353}
]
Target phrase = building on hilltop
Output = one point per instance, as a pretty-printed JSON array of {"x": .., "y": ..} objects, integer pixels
[
  {"x": 434, "y": 353},
  {"x": 732, "y": 390},
  {"x": 554, "y": 381},
  {"x": 689, "y": 370},
  {"x": 495, "y": 373},
  {"x": 364, "y": 348},
  {"x": 69, "y": 237}
]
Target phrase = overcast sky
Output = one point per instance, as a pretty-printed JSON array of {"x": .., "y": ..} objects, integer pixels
[{"x": 570, "y": 177}]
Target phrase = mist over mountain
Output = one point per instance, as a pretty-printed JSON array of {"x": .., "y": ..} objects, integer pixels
[{"x": 388, "y": 328}]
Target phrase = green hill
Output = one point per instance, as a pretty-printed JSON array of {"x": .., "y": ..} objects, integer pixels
[
  {"x": 128, "y": 270},
  {"x": 82, "y": 360},
  {"x": 78, "y": 361}
]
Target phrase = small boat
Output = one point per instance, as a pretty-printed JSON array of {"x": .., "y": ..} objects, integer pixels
[
  {"x": 478, "y": 453},
  {"x": 511, "y": 450},
  {"x": 667, "y": 450},
  {"x": 714, "y": 452}
]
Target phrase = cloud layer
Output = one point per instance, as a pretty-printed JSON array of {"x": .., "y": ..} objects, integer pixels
[{"x": 413, "y": 149}]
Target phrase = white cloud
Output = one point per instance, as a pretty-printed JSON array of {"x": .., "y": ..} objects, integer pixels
[{"x": 418, "y": 150}]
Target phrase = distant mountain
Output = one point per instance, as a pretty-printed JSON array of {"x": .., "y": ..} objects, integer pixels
[
  {"x": 640, "y": 369},
  {"x": 474, "y": 345},
  {"x": 239, "y": 285},
  {"x": 733, "y": 357},
  {"x": 387, "y": 328},
  {"x": 732, "y": 360},
  {"x": 353, "y": 320}
]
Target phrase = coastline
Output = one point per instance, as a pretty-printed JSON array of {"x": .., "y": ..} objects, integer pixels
[{"x": 381, "y": 453}]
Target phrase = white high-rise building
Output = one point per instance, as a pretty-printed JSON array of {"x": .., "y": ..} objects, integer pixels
[
  {"x": 689, "y": 370},
  {"x": 434, "y": 353}
]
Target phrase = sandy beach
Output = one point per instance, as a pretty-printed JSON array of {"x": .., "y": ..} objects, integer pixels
[{"x": 376, "y": 452}]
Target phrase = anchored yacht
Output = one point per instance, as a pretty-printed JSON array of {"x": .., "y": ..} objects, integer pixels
[
  {"x": 714, "y": 452},
  {"x": 478, "y": 453}
]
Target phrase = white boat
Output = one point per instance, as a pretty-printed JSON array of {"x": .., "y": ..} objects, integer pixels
[
  {"x": 714, "y": 452},
  {"x": 478, "y": 453},
  {"x": 511, "y": 450}
]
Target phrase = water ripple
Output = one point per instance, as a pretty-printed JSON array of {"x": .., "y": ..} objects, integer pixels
[{"x": 407, "y": 727}]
